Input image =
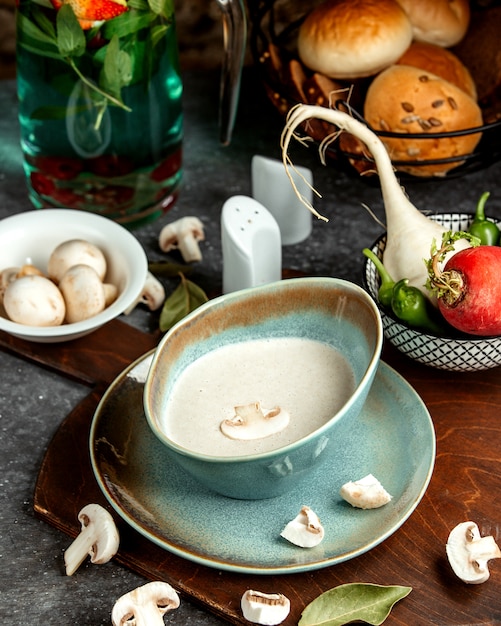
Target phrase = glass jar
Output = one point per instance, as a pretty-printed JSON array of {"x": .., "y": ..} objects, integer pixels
[{"x": 100, "y": 112}]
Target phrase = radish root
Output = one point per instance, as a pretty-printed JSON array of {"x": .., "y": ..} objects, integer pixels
[{"x": 409, "y": 232}]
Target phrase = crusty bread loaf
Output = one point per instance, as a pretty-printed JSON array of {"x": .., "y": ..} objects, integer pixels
[
  {"x": 439, "y": 61},
  {"x": 348, "y": 39},
  {"x": 442, "y": 22},
  {"x": 480, "y": 51},
  {"x": 405, "y": 99}
]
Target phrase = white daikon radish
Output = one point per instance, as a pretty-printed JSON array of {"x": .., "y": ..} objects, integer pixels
[{"x": 410, "y": 234}]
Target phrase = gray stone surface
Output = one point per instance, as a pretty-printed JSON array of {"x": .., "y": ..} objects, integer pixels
[{"x": 34, "y": 401}]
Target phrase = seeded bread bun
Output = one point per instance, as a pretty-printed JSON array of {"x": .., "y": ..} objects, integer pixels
[
  {"x": 439, "y": 61},
  {"x": 405, "y": 99},
  {"x": 442, "y": 22},
  {"x": 349, "y": 39}
]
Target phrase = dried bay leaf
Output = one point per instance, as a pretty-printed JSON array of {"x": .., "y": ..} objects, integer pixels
[
  {"x": 363, "y": 602},
  {"x": 186, "y": 298}
]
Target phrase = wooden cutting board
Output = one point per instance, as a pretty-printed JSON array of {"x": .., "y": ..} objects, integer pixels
[{"x": 466, "y": 485}]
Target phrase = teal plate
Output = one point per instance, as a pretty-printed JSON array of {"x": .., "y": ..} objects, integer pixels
[{"x": 393, "y": 438}]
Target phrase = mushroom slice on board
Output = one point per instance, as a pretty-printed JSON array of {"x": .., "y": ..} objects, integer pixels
[
  {"x": 305, "y": 530},
  {"x": 365, "y": 493},
  {"x": 145, "y": 605},
  {"x": 468, "y": 553},
  {"x": 265, "y": 608},
  {"x": 98, "y": 538}
]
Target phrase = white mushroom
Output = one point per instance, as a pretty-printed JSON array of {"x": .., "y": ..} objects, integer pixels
[
  {"x": 35, "y": 301},
  {"x": 29, "y": 270},
  {"x": 75, "y": 252},
  {"x": 145, "y": 606},
  {"x": 83, "y": 293},
  {"x": 98, "y": 538},
  {"x": 365, "y": 493},
  {"x": 7, "y": 276},
  {"x": 264, "y": 608},
  {"x": 305, "y": 530},
  {"x": 110, "y": 293},
  {"x": 183, "y": 235},
  {"x": 252, "y": 422},
  {"x": 469, "y": 553},
  {"x": 153, "y": 295}
]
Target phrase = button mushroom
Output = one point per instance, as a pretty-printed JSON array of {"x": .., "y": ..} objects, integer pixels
[
  {"x": 83, "y": 293},
  {"x": 75, "y": 252},
  {"x": 305, "y": 530},
  {"x": 98, "y": 538},
  {"x": 365, "y": 493},
  {"x": 183, "y": 235},
  {"x": 35, "y": 301},
  {"x": 145, "y": 606},
  {"x": 264, "y": 608},
  {"x": 28, "y": 270},
  {"x": 469, "y": 553},
  {"x": 252, "y": 422},
  {"x": 7, "y": 276}
]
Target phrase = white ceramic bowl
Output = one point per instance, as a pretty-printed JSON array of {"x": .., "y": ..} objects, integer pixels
[
  {"x": 30, "y": 237},
  {"x": 330, "y": 312},
  {"x": 461, "y": 353}
]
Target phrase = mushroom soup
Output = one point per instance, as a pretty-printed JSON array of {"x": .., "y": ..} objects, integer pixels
[{"x": 307, "y": 381}]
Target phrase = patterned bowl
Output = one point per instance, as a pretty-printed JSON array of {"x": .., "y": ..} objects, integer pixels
[{"x": 460, "y": 353}]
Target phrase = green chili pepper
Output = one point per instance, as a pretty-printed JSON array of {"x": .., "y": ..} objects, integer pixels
[
  {"x": 411, "y": 306},
  {"x": 481, "y": 227},
  {"x": 385, "y": 291}
]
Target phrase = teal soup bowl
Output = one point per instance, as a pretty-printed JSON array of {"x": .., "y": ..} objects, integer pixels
[{"x": 253, "y": 391}]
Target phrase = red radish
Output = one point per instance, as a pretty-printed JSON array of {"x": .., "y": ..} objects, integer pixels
[{"x": 469, "y": 289}]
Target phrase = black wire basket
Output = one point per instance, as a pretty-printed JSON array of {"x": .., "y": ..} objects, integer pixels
[{"x": 274, "y": 26}]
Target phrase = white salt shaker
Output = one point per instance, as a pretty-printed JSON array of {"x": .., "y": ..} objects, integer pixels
[{"x": 251, "y": 244}]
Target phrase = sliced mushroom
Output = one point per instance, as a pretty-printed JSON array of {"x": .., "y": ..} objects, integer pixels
[
  {"x": 98, "y": 538},
  {"x": 75, "y": 252},
  {"x": 469, "y": 553},
  {"x": 264, "y": 608},
  {"x": 183, "y": 235},
  {"x": 365, "y": 493},
  {"x": 153, "y": 295},
  {"x": 34, "y": 301},
  {"x": 145, "y": 606},
  {"x": 83, "y": 293},
  {"x": 252, "y": 422},
  {"x": 305, "y": 530}
]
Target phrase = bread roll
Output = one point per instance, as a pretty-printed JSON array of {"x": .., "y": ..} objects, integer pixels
[
  {"x": 405, "y": 99},
  {"x": 442, "y": 22},
  {"x": 439, "y": 61},
  {"x": 349, "y": 39}
]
